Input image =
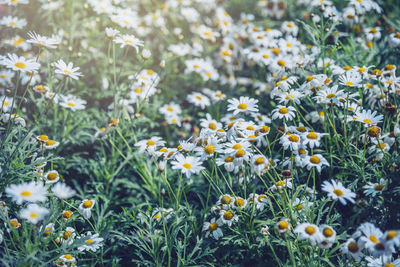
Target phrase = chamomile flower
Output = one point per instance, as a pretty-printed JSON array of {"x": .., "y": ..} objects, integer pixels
[
  {"x": 211, "y": 146},
  {"x": 368, "y": 117},
  {"x": 85, "y": 208},
  {"x": 283, "y": 112},
  {"x": 260, "y": 164},
  {"x": 16, "y": 63},
  {"x": 34, "y": 213},
  {"x": 213, "y": 228},
  {"x": 199, "y": 100},
  {"x": 170, "y": 109},
  {"x": 372, "y": 189},
  {"x": 129, "y": 40},
  {"x": 92, "y": 242},
  {"x": 391, "y": 238},
  {"x": 242, "y": 105},
  {"x": 51, "y": 177},
  {"x": 111, "y": 33},
  {"x": 67, "y": 236},
  {"x": 150, "y": 145},
  {"x": 65, "y": 260},
  {"x": 350, "y": 78},
  {"x": 72, "y": 102},
  {"x": 290, "y": 141},
  {"x": 369, "y": 234},
  {"x": 308, "y": 231},
  {"x": 317, "y": 161},
  {"x": 42, "y": 41},
  {"x": 188, "y": 165},
  {"x": 283, "y": 226},
  {"x": 62, "y": 191},
  {"x": 337, "y": 191},
  {"x": 312, "y": 138},
  {"x": 30, "y": 192},
  {"x": 353, "y": 248},
  {"x": 282, "y": 184},
  {"x": 328, "y": 236},
  {"x": 228, "y": 217},
  {"x": 13, "y": 22},
  {"x": 67, "y": 70}
]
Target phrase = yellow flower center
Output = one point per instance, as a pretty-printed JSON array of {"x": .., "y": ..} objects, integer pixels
[
  {"x": 187, "y": 166},
  {"x": 213, "y": 226},
  {"x": 239, "y": 202},
  {"x": 390, "y": 235},
  {"x": 310, "y": 230},
  {"x": 327, "y": 232},
  {"x": 373, "y": 238},
  {"x": 68, "y": 256},
  {"x": 225, "y": 200},
  {"x": 259, "y": 161},
  {"x": 329, "y": 96},
  {"x": 280, "y": 183},
  {"x": 283, "y": 110},
  {"x": 89, "y": 241},
  {"x": 50, "y": 143},
  {"x": 26, "y": 194},
  {"x": 283, "y": 225},
  {"x": 209, "y": 149},
  {"x": 87, "y": 204},
  {"x": 33, "y": 215},
  {"x": 367, "y": 121},
  {"x": 150, "y": 143},
  {"x": 352, "y": 247},
  {"x": 281, "y": 63},
  {"x": 20, "y": 65},
  {"x": 67, "y": 214},
  {"x": 71, "y": 104},
  {"x": 52, "y": 176},
  {"x": 294, "y": 138},
  {"x": 349, "y": 83},
  {"x": 240, "y": 153},
  {"x": 338, "y": 192},
  {"x": 212, "y": 126},
  {"x": 379, "y": 187},
  {"x": 229, "y": 159},
  {"x": 228, "y": 215},
  {"x": 315, "y": 160},
  {"x": 312, "y": 135},
  {"x": 242, "y": 106}
]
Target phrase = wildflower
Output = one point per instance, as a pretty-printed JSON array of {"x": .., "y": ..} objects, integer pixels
[
  {"x": 12, "y": 61},
  {"x": 67, "y": 259},
  {"x": 228, "y": 217},
  {"x": 282, "y": 184},
  {"x": 369, "y": 234},
  {"x": 150, "y": 145},
  {"x": 129, "y": 40},
  {"x": 283, "y": 226},
  {"x": 213, "y": 228},
  {"x": 67, "y": 236},
  {"x": 328, "y": 236},
  {"x": 111, "y": 33},
  {"x": 317, "y": 161},
  {"x": 265, "y": 230},
  {"x": 62, "y": 191},
  {"x": 42, "y": 41},
  {"x": 384, "y": 260},
  {"x": 13, "y": 22},
  {"x": 353, "y": 248},
  {"x": 350, "y": 78},
  {"x": 72, "y": 102},
  {"x": 33, "y": 213},
  {"x": 51, "y": 144},
  {"x": 199, "y": 100},
  {"x": 308, "y": 231},
  {"x": 30, "y": 192},
  {"x": 207, "y": 150},
  {"x": 40, "y": 89},
  {"x": 368, "y": 117},
  {"x": 291, "y": 141},
  {"x": 85, "y": 208},
  {"x": 48, "y": 229},
  {"x": 288, "y": 113},
  {"x": 337, "y": 191},
  {"x": 312, "y": 138},
  {"x": 242, "y": 105},
  {"x": 188, "y": 165},
  {"x": 391, "y": 238},
  {"x": 51, "y": 177},
  {"x": 14, "y": 223},
  {"x": 239, "y": 202},
  {"x": 372, "y": 189},
  {"x": 67, "y": 70},
  {"x": 91, "y": 243}
]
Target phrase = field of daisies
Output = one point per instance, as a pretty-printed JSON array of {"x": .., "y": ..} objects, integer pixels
[{"x": 199, "y": 133}]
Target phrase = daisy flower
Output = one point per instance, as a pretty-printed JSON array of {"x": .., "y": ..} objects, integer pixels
[
  {"x": 51, "y": 177},
  {"x": 369, "y": 234},
  {"x": 72, "y": 102},
  {"x": 33, "y": 213},
  {"x": 337, "y": 191},
  {"x": 383, "y": 261},
  {"x": 316, "y": 160},
  {"x": 228, "y": 217},
  {"x": 170, "y": 109},
  {"x": 51, "y": 144},
  {"x": 283, "y": 226},
  {"x": 31, "y": 192},
  {"x": 129, "y": 40},
  {"x": 242, "y": 105},
  {"x": 67, "y": 236},
  {"x": 42, "y": 41},
  {"x": 312, "y": 138},
  {"x": 391, "y": 237},
  {"x": 350, "y": 78},
  {"x": 372, "y": 189},
  {"x": 282, "y": 184},
  {"x": 199, "y": 100},
  {"x": 67, "y": 70},
  {"x": 85, "y": 208},
  {"x": 188, "y": 165},
  {"x": 308, "y": 231},
  {"x": 65, "y": 260},
  {"x": 259, "y": 163},
  {"x": 12, "y": 61},
  {"x": 280, "y": 112},
  {"x": 91, "y": 243},
  {"x": 368, "y": 117},
  {"x": 62, "y": 191},
  {"x": 150, "y": 145},
  {"x": 111, "y": 33},
  {"x": 213, "y": 228},
  {"x": 13, "y": 22},
  {"x": 328, "y": 236},
  {"x": 207, "y": 150},
  {"x": 290, "y": 141},
  {"x": 353, "y": 248}
]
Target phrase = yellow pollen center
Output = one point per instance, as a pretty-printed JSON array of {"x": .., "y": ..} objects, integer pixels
[
  {"x": 259, "y": 161},
  {"x": 338, "y": 192},
  {"x": 310, "y": 230},
  {"x": 26, "y": 194},
  {"x": 52, "y": 176},
  {"x": 242, "y": 106},
  {"x": 283, "y": 110},
  {"x": 213, "y": 226},
  {"x": 312, "y": 135},
  {"x": 327, "y": 232},
  {"x": 87, "y": 204},
  {"x": 283, "y": 225},
  {"x": 240, "y": 153},
  {"x": 228, "y": 215},
  {"x": 20, "y": 65},
  {"x": 209, "y": 149},
  {"x": 294, "y": 138},
  {"x": 187, "y": 166},
  {"x": 373, "y": 238},
  {"x": 315, "y": 160}
]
